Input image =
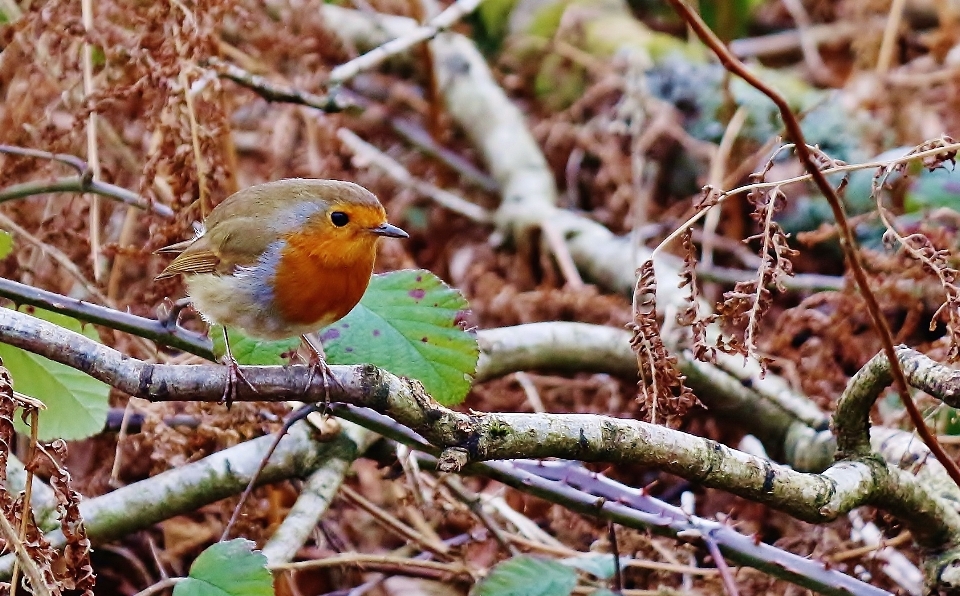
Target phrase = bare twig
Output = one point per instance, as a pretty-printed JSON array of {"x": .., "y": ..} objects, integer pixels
[
  {"x": 392, "y": 564},
  {"x": 811, "y": 55},
  {"x": 474, "y": 502},
  {"x": 718, "y": 168},
  {"x": 562, "y": 253},
  {"x": 918, "y": 156},
  {"x": 799, "y": 282},
  {"x": 84, "y": 182},
  {"x": 788, "y": 41},
  {"x": 274, "y": 92},
  {"x": 93, "y": 157},
  {"x": 889, "y": 43},
  {"x": 729, "y": 585},
  {"x": 198, "y": 160},
  {"x": 394, "y": 525},
  {"x": 65, "y": 158},
  {"x": 168, "y": 334},
  {"x": 364, "y": 153},
  {"x": 444, "y": 20},
  {"x": 30, "y": 567},
  {"x": 160, "y": 586},
  {"x": 615, "y": 551}
]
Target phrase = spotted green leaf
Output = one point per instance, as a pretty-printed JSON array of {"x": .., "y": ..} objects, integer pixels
[{"x": 408, "y": 323}]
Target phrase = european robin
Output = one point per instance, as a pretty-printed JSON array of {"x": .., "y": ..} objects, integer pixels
[{"x": 284, "y": 258}]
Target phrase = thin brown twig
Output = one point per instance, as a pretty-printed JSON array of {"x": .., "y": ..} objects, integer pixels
[
  {"x": 718, "y": 168},
  {"x": 561, "y": 252},
  {"x": 888, "y": 44},
  {"x": 615, "y": 551},
  {"x": 27, "y": 494},
  {"x": 808, "y": 46},
  {"x": 729, "y": 585},
  {"x": 93, "y": 156},
  {"x": 276, "y": 92},
  {"x": 30, "y": 567},
  {"x": 394, "y": 524},
  {"x": 474, "y": 503},
  {"x": 389, "y": 562},
  {"x": 920, "y": 155},
  {"x": 195, "y": 141},
  {"x": 847, "y": 239},
  {"x": 160, "y": 586},
  {"x": 902, "y": 538}
]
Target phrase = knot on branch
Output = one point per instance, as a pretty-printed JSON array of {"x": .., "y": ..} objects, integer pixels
[{"x": 453, "y": 459}]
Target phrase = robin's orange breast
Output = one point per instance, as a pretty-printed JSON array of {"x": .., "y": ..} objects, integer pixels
[{"x": 319, "y": 279}]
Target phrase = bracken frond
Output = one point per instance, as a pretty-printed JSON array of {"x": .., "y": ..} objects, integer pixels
[
  {"x": 77, "y": 574},
  {"x": 746, "y": 304},
  {"x": 664, "y": 396},
  {"x": 689, "y": 315},
  {"x": 920, "y": 247}
]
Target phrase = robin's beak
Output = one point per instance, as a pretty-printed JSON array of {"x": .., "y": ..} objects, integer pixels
[{"x": 390, "y": 231}]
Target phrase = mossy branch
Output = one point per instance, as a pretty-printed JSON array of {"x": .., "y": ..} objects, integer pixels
[{"x": 476, "y": 437}]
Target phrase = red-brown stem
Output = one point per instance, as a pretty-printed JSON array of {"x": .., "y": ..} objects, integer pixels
[{"x": 847, "y": 240}]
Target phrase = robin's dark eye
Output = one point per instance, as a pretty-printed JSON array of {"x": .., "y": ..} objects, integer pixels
[{"x": 339, "y": 218}]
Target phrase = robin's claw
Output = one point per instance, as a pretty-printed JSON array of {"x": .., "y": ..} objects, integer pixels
[
  {"x": 234, "y": 374},
  {"x": 168, "y": 312},
  {"x": 234, "y": 378}
]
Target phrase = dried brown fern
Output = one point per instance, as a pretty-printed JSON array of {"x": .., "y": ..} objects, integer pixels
[
  {"x": 746, "y": 304},
  {"x": 689, "y": 315},
  {"x": 918, "y": 246},
  {"x": 664, "y": 396}
]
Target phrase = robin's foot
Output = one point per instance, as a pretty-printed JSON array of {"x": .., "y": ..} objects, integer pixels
[
  {"x": 168, "y": 313},
  {"x": 234, "y": 375},
  {"x": 234, "y": 378},
  {"x": 318, "y": 365}
]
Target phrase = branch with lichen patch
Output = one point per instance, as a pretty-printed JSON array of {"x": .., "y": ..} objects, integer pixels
[{"x": 475, "y": 437}]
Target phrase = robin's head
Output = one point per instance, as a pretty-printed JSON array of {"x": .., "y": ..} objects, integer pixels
[{"x": 334, "y": 220}]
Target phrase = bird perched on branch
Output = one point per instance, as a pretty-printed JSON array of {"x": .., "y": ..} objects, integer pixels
[{"x": 283, "y": 259}]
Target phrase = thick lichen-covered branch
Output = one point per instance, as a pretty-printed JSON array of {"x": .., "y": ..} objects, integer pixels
[{"x": 474, "y": 437}]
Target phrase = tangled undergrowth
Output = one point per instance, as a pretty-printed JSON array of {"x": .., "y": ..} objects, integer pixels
[{"x": 632, "y": 144}]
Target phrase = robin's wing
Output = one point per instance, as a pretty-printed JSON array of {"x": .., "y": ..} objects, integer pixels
[
  {"x": 230, "y": 243},
  {"x": 177, "y": 248},
  {"x": 195, "y": 256}
]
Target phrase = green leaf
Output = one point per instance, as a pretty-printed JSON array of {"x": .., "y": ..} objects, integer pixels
[
  {"x": 527, "y": 576},
  {"x": 248, "y": 350},
  {"x": 229, "y": 568},
  {"x": 599, "y": 565},
  {"x": 6, "y": 244},
  {"x": 77, "y": 404},
  {"x": 408, "y": 324}
]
